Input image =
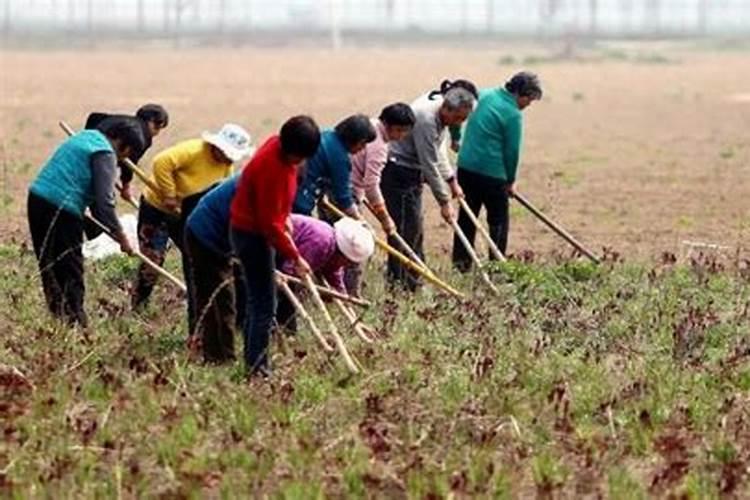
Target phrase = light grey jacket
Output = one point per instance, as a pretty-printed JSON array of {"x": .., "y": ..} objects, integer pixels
[{"x": 424, "y": 148}]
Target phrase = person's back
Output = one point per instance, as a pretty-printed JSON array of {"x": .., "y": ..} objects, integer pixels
[
  {"x": 492, "y": 136},
  {"x": 65, "y": 179},
  {"x": 318, "y": 171},
  {"x": 184, "y": 169},
  {"x": 209, "y": 221}
]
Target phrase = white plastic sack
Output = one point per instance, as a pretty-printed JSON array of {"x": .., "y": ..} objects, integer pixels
[{"x": 104, "y": 246}]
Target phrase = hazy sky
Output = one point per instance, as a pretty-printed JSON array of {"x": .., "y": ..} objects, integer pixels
[{"x": 426, "y": 14}]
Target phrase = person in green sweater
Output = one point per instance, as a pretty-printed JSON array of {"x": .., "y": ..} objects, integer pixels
[{"x": 488, "y": 159}]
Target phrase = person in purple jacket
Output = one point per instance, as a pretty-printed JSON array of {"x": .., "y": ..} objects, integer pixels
[
  {"x": 213, "y": 286},
  {"x": 329, "y": 250}
]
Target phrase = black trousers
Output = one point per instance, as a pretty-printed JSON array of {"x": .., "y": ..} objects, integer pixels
[
  {"x": 212, "y": 293},
  {"x": 257, "y": 259},
  {"x": 57, "y": 237},
  {"x": 402, "y": 190},
  {"x": 490, "y": 193}
]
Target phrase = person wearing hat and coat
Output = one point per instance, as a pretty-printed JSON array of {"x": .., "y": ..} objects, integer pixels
[
  {"x": 180, "y": 172},
  {"x": 329, "y": 250}
]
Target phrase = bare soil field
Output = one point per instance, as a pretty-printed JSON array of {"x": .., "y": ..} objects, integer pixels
[{"x": 635, "y": 149}]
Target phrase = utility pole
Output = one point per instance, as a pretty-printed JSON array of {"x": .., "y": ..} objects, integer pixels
[
  {"x": 141, "y": 16},
  {"x": 90, "y": 17},
  {"x": 702, "y": 16},
  {"x": 490, "y": 16},
  {"x": 593, "y": 16},
  {"x": 335, "y": 14},
  {"x": 222, "y": 16},
  {"x": 6, "y": 19},
  {"x": 653, "y": 11},
  {"x": 71, "y": 14}
]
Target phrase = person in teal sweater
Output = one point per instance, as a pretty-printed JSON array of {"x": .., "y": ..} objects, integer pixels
[
  {"x": 79, "y": 175},
  {"x": 488, "y": 159}
]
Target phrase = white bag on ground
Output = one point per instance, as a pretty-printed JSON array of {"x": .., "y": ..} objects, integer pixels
[{"x": 104, "y": 246}]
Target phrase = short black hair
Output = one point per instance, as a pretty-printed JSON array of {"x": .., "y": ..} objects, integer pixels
[
  {"x": 300, "y": 136},
  {"x": 524, "y": 84},
  {"x": 127, "y": 130},
  {"x": 398, "y": 115},
  {"x": 153, "y": 113},
  {"x": 355, "y": 129}
]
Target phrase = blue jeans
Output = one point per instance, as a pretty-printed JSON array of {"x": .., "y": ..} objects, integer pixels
[{"x": 257, "y": 259}]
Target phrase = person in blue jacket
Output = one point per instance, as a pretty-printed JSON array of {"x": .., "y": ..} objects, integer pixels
[
  {"x": 80, "y": 174},
  {"x": 213, "y": 282},
  {"x": 329, "y": 171}
]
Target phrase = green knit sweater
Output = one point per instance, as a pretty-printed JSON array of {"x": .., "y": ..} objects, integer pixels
[{"x": 492, "y": 138}]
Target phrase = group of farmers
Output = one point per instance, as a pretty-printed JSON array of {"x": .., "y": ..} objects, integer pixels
[{"x": 235, "y": 230}]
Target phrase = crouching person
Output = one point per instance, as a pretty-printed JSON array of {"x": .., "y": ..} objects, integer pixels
[
  {"x": 329, "y": 250},
  {"x": 80, "y": 174}
]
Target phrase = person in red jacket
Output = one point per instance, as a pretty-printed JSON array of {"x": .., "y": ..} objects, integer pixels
[{"x": 258, "y": 228}]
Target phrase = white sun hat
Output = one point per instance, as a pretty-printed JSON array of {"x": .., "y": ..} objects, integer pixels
[
  {"x": 232, "y": 140},
  {"x": 354, "y": 239}
]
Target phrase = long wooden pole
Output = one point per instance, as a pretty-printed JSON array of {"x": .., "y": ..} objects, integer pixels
[
  {"x": 150, "y": 263},
  {"x": 143, "y": 176},
  {"x": 493, "y": 247},
  {"x": 358, "y": 327},
  {"x": 402, "y": 242},
  {"x": 303, "y": 312},
  {"x": 326, "y": 291},
  {"x": 331, "y": 325},
  {"x": 473, "y": 255},
  {"x": 403, "y": 258},
  {"x": 556, "y": 228}
]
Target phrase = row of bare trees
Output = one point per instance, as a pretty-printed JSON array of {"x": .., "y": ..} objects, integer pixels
[{"x": 177, "y": 14}]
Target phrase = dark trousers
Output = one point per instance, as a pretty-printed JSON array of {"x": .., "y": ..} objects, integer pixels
[
  {"x": 155, "y": 229},
  {"x": 490, "y": 193},
  {"x": 257, "y": 259},
  {"x": 402, "y": 190},
  {"x": 212, "y": 294},
  {"x": 57, "y": 237}
]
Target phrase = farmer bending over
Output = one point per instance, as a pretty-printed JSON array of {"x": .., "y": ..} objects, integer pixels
[
  {"x": 258, "y": 215},
  {"x": 329, "y": 170},
  {"x": 394, "y": 123},
  {"x": 151, "y": 117},
  {"x": 420, "y": 157},
  {"x": 328, "y": 250},
  {"x": 79, "y": 174},
  {"x": 488, "y": 159},
  {"x": 179, "y": 172}
]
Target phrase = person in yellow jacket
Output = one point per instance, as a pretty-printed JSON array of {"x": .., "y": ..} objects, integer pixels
[{"x": 183, "y": 173}]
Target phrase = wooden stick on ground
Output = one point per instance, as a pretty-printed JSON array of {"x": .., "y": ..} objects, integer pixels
[
  {"x": 348, "y": 360},
  {"x": 150, "y": 263},
  {"x": 556, "y": 228},
  {"x": 326, "y": 291},
  {"x": 474, "y": 257},
  {"x": 359, "y": 327},
  {"x": 493, "y": 247},
  {"x": 403, "y": 258},
  {"x": 303, "y": 312}
]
